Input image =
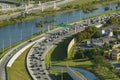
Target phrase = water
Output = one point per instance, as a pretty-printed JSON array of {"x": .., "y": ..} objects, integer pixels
[{"x": 18, "y": 31}]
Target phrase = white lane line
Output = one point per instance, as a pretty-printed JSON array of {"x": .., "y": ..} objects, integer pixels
[{"x": 12, "y": 60}]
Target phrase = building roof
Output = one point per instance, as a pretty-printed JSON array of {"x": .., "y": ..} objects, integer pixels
[{"x": 102, "y": 39}]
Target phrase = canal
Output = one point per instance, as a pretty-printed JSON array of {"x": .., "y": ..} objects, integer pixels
[{"x": 18, "y": 31}]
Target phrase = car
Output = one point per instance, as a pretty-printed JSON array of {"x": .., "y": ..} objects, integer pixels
[{"x": 30, "y": 40}]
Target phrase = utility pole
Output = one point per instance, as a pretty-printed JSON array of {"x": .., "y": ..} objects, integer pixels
[
  {"x": 61, "y": 74},
  {"x": 42, "y": 7},
  {"x": 10, "y": 41},
  {"x": 21, "y": 34},
  {"x": 3, "y": 46},
  {"x": 54, "y": 4},
  {"x": 39, "y": 3}
]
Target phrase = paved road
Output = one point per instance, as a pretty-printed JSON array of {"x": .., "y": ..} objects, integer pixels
[
  {"x": 31, "y": 9},
  {"x": 38, "y": 53},
  {"x": 87, "y": 74},
  {"x": 6, "y": 58}
]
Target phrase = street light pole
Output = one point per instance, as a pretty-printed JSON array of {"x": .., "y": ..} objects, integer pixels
[
  {"x": 39, "y": 3},
  {"x": 42, "y": 7},
  {"x": 10, "y": 41},
  {"x": 54, "y": 4},
  {"x": 21, "y": 34},
  {"x": 61, "y": 74},
  {"x": 3, "y": 46}
]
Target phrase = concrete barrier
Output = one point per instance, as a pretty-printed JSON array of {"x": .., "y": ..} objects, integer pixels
[
  {"x": 72, "y": 42},
  {"x": 73, "y": 74},
  {"x": 12, "y": 60}
]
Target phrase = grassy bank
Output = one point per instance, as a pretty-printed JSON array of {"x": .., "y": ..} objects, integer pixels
[
  {"x": 48, "y": 12},
  {"x": 8, "y": 48},
  {"x": 58, "y": 58},
  {"x": 18, "y": 70},
  {"x": 59, "y": 74}
]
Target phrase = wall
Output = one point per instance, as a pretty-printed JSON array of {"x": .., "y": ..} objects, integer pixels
[{"x": 72, "y": 42}]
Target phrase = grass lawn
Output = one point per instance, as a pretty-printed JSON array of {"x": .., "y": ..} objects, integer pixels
[
  {"x": 59, "y": 74},
  {"x": 50, "y": 11},
  {"x": 59, "y": 58},
  {"x": 60, "y": 52},
  {"x": 79, "y": 74},
  {"x": 47, "y": 57},
  {"x": 85, "y": 63},
  {"x": 18, "y": 70},
  {"x": 83, "y": 2}
]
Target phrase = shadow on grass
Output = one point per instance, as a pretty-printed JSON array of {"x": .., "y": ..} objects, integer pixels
[
  {"x": 80, "y": 60},
  {"x": 59, "y": 76},
  {"x": 60, "y": 52}
]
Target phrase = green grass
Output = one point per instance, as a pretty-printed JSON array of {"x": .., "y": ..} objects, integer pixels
[
  {"x": 51, "y": 11},
  {"x": 88, "y": 3},
  {"x": 58, "y": 74},
  {"x": 84, "y": 63},
  {"x": 8, "y": 48},
  {"x": 60, "y": 52},
  {"x": 79, "y": 74},
  {"x": 48, "y": 56},
  {"x": 18, "y": 70},
  {"x": 102, "y": 72}
]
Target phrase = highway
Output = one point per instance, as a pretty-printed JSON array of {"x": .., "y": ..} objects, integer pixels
[
  {"x": 30, "y": 9},
  {"x": 13, "y": 51},
  {"x": 81, "y": 25},
  {"x": 35, "y": 60}
]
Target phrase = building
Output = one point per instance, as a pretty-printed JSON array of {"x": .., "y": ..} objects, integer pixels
[
  {"x": 107, "y": 33},
  {"x": 114, "y": 54},
  {"x": 99, "y": 41}
]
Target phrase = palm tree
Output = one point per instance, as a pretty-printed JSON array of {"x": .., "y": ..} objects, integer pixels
[
  {"x": 40, "y": 25},
  {"x": 54, "y": 4},
  {"x": 53, "y": 22},
  {"x": 49, "y": 23}
]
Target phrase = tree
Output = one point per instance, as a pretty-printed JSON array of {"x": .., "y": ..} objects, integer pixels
[
  {"x": 79, "y": 54},
  {"x": 40, "y": 25},
  {"x": 113, "y": 20},
  {"x": 48, "y": 23},
  {"x": 99, "y": 60}
]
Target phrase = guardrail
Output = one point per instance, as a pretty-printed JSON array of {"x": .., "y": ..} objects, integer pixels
[
  {"x": 72, "y": 42},
  {"x": 73, "y": 74}
]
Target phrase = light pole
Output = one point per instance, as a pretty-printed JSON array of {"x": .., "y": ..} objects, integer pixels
[
  {"x": 21, "y": 34},
  {"x": 54, "y": 4},
  {"x": 3, "y": 46},
  {"x": 75, "y": 28},
  {"x": 80, "y": 14},
  {"x": 42, "y": 7},
  {"x": 61, "y": 74},
  {"x": 39, "y": 3},
  {"x": 10, "y": 41},
  {"x": 31, "y": 32}
]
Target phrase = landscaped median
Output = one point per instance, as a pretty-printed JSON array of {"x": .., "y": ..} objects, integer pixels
[
  {"x": 75, "y": 75},
  {"x": 17, "y": 64},
  {"x": 18, "y": 70}
]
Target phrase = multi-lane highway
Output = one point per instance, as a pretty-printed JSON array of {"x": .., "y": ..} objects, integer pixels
[
  {"x": 79, "y": 26},
  {"x": 31, "y": 9}
]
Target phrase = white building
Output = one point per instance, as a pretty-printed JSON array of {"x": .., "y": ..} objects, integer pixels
[{"x": 99, "y": 41}]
